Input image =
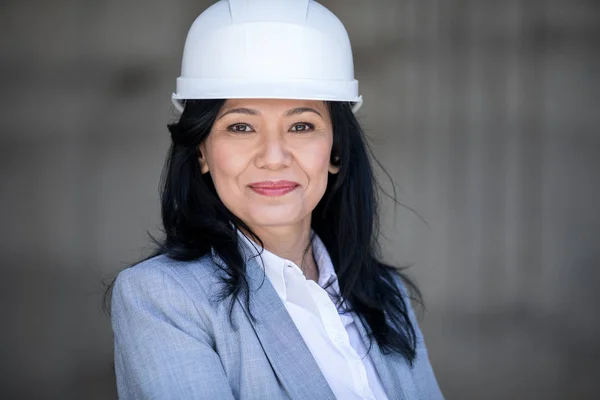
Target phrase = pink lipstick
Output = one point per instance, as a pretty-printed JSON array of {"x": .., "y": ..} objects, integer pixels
[{"x": 273, "y": 188}]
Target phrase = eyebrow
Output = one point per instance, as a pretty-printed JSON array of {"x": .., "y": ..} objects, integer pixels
[{"x": 289, "y": 113}]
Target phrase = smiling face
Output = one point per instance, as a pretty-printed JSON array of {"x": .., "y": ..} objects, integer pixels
[{"x": 269, "y": 159}]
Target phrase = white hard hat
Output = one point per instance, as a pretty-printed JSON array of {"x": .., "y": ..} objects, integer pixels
[{"x": 288, "y": 49}]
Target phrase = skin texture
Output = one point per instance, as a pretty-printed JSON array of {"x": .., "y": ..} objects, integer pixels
[{"x": 255, "y": 140}]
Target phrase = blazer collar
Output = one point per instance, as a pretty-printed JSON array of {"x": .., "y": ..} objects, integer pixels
[
  {"x": 285, "y": 348},
  {"x": 288, "y": 354}
]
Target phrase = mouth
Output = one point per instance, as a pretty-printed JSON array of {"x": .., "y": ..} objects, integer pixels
[{"x": 273, "y": 188}]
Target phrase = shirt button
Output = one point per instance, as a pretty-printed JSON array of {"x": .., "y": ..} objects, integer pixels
[{"x": 293, "y": 270}]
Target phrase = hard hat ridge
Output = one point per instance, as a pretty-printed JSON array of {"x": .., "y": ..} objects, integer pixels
[
  {"x": 290, "y": 11},
  {"x": 289, "y": 49}
]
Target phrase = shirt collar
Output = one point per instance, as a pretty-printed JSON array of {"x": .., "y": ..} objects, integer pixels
[
  {"x": 274, "y": 265},
  {"x": 326, "y": 270}
]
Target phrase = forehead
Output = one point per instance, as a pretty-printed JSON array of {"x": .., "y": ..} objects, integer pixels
[{"x": 275, "y": 106}]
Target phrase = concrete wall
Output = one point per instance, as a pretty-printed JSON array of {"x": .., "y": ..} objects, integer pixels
[{"x": 485, "y": 113}]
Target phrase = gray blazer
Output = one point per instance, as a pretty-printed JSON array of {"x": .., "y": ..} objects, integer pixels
[{"x": 173, "y": 340}]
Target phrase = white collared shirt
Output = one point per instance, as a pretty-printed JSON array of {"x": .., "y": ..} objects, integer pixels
[{"x": 331, "y": 337}]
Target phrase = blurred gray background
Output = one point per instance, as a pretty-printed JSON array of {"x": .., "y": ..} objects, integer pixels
[{"x": 484, "y": 112}]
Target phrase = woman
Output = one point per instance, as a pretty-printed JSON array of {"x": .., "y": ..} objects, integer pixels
[{"x": 267, "y": 284}]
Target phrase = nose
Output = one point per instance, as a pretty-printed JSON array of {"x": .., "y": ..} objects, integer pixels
[{"x": 273, "y": 153}]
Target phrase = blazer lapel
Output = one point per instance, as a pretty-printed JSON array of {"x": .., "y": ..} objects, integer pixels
[
  {"x": 393, "y": 370},
  {"x": 285, "y": 348}
]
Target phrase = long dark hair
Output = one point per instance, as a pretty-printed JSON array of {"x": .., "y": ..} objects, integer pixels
[{"x": 346, "y": 219}]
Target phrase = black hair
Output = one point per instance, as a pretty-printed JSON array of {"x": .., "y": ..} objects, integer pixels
[{"x": 346, "y": 219}]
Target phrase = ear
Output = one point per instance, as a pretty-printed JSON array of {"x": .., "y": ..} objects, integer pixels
[
  {"x": 202, "y": 159},
  {"x": 334, "y": 165}
]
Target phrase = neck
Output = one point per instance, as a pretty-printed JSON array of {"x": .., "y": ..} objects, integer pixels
[{"x": 292, "y": 243}]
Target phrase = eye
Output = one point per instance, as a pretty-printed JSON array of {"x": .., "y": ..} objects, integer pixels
[
  {"x": 240, "y": 128},
  {"x": 302, "y": 127}
]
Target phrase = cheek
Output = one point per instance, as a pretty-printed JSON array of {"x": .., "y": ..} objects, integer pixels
[
  {"x": 226, "y": 163},
  {"x": 315, "y": 163}
]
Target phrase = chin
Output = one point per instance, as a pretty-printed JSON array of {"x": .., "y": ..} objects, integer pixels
[{"x": 276, "y": 216}]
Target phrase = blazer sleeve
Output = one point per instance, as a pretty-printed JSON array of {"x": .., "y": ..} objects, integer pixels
[{"x": 162, "y": 350}]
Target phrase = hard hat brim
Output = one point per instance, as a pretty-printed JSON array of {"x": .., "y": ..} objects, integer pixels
[{"x": 241, "y": 88}]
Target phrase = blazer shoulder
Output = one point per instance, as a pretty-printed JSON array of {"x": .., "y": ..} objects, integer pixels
[
  {"x": 162, "y": 283},
  {"x": 154, "y": 271}
]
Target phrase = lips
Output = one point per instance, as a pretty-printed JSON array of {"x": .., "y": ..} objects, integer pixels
[{"x": 273, "y": 188}]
